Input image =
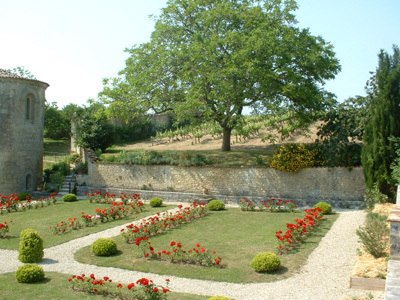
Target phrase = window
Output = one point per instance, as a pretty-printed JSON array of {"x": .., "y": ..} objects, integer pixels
[
  {"x": 28, "y": 183},
  {"x": 28, "y": 108}
]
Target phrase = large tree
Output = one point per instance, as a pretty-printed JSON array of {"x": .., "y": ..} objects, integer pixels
[
  {"x": 210, "y": 59},
  {"x": 378, "y": 151}
]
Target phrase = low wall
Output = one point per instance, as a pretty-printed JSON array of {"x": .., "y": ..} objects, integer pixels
[{"x": 339, "y": 186}]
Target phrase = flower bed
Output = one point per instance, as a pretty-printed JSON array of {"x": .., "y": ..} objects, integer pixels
[
  {"x": 143, "y": 289},
  {"x": 296, "y": 232},
  {"x": 11, "y": 203},
  {"x": 271, "y": 205},
  {"x": 176, "y": 254},
  {"x": 4, "y": 229},
  {"x": 163, "y": 221},
  {"x": 107, "y": 198},
  {"x": 117, "y": 210}
]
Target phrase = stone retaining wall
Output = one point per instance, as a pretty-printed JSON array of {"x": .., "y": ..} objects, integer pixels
[{"x": 338, "y": 186}]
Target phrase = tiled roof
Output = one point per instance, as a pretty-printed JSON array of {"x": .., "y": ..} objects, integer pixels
[{"x": 7, "y": 74}]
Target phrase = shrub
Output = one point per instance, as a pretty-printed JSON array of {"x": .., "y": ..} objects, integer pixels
[
  {"x": 374, "y": 235},
  {"x": 22, "y": 196},
  {"x": 326, "y": 207},
  {"x": 29, "y": 273},
  {"x": 156, "y": 202},
  {"x": 374, "y": 196},
  {"x": 30, "y": 246},
  {"x": 216, "y": 205},
  {"x": 104, "y": 247},
  {"x": 219, "y": 298},
  {"x": 265, "y": 262},
  {"x": 294, "y": 157},
  {"x": 69, "y": 198}
]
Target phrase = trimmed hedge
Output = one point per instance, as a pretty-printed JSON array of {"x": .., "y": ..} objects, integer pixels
[{"x": 29, "y": 273}]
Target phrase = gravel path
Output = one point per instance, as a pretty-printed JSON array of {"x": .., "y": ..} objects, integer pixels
[{"x": 325, "y": 276}]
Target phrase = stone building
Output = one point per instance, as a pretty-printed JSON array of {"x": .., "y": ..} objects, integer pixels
[{"x": 22, "y": 104}]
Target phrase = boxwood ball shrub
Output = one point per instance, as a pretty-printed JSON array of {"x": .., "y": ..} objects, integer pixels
[
  {"x": 22, "y": 196},
  {"x": 265, "y": 262},
  {"x": 156, "y": 202},
  {"x": 326, "y": 207},
  {"x": 69, "y": 198},
  {"x": 30, "y": 246},
  {"x": 104, "y": 247},
  {"x": 216, "y": 205},
  {"x": 29, "y": 273},
  {"x": 219, "y": 298}
]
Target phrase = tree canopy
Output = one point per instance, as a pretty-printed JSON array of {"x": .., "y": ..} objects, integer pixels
[
  {"x": 210, "y": 59},
  {"x": 378, "y": 151}
]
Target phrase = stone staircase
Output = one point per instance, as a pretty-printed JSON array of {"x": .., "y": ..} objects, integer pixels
[{"x": 68, "y": 185}]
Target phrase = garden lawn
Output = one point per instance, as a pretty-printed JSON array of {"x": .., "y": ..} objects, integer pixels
[
  {"x": 41, "y": 219},
  {"x": 236, "y": 236},
  {"x": 55, "y": 286}
]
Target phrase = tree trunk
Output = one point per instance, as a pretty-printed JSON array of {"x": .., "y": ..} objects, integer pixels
[{"x": 226, "y": 139}]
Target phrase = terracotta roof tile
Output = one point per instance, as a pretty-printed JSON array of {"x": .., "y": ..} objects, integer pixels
[{"x": 7, "y": 74}]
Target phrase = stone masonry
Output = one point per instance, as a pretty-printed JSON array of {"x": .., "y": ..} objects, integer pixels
[
  {"x": 339, "y": 186},
  {"x": 21, "y": 133}
]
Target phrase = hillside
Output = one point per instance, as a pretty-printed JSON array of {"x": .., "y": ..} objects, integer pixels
[{"x": 210, "y": 143}]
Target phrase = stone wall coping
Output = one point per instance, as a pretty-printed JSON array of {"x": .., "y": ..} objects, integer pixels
[{"x": 395, "y": 214}]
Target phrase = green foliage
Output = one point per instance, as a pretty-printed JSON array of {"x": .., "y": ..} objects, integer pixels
[
  {"x": 244, "y": 54},
  {"x": 21, "y": 71},
  {"x": 22, "y": 196},
  {"x": 374, "y": 235},
  {"x": 104, "y": 247},
  {"x": 373, "y": 196},
  {"x": 156, "y": 202},
  {"x": 216, "y": 205},
  {"x": 61, "y": 169},
  {"x": 30, "y": 246},
  {"x": 29, "y": 273},
  {"x": 69, "y": 198},
  {"x": 157, "y": 158},
  {"x": 56, "y": 124},
  {"x": 219, "y": 298},
  {"x": 265, "y": 262},
  {"x": 94, "y": 133},
  {"x": 378, "y": 152},
  {"x": 342, "y": 131},
  {"x": 294, "y": 157},
  {"x": 326, "y": 207}
]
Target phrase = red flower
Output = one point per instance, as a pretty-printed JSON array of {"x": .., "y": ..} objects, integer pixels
[
  {"x": 197, "y": 245},
  {"x": 165, "y": 290},
  {"x": 155, "y": 290},
  {"x": 92, "y": 276},
  {"x": 130, "y": 286},
  {"x": 172, "y": 243}
]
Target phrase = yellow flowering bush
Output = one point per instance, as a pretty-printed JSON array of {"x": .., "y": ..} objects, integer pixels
[{"x": 294, "y": 157}]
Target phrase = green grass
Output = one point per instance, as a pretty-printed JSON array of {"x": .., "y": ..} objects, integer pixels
[
  {"x": 41, "y": 219},
  {"x": 55, "y": 150},
  {"x": 234, "y": 158},
  {"x": 55, "y": 286},
  {"x": 236, "y": 236}
]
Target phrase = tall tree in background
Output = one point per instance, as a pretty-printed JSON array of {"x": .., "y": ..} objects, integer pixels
[
  {"x": 210, "y": 59},
  {"x": 378, "y": 151}
]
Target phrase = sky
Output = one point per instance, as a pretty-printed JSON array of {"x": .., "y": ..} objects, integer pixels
[{"x": 72, "y": 45}]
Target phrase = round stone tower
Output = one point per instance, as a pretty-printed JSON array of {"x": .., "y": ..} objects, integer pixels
[{"x": 21, "y": 133}]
